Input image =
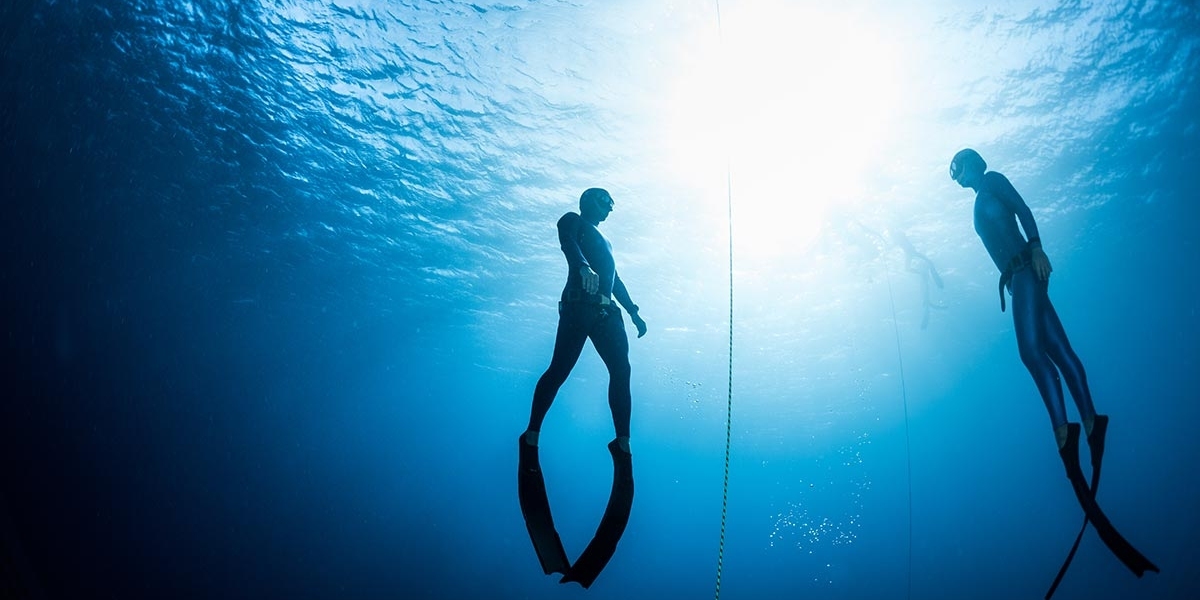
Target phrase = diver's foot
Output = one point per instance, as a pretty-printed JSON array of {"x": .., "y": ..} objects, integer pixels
[
  {"x": 623, "y": 444},
  {"x": 1095, "y": 437},
  {"x": 1069, "y": 451},
  {"x": 1060, "y": 435},
  {"x": 530, "y": 437}
]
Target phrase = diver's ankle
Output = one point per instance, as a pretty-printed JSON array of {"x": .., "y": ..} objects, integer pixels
[
  {"x": 1088, "y": 424},
  {"x": 531, "y": 437},
  {"x": 623, "y": 444}
]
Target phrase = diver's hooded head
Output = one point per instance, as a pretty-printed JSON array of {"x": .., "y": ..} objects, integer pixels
[
  {"x": 595, "y": 204},
  {"x": 967, "y": 167}
]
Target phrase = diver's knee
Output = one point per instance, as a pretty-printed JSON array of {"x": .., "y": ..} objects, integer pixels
[
  {"x": 620, "y": 370},
  {"x": 1032, "y": 358},
  {"x": 552, "y": 378}
]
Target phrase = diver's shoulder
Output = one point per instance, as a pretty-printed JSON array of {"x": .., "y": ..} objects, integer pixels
[{"x": 995, "y": 178}]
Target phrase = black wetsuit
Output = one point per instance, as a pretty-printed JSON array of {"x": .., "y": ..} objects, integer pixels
[
  {"x": 583, "y": 316},
  {"x": 1041, "y": 338}
]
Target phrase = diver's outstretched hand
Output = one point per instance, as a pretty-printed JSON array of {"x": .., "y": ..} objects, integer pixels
[{"x": 639, "y": 323}]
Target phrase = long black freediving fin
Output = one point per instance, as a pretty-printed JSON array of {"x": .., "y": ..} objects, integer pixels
[
  {"x": 1133, "y": 560},
  {"x": 535, "y": 506},
  {"x": 1096, "y": 446},
  {"x": 616, "y": 516}
]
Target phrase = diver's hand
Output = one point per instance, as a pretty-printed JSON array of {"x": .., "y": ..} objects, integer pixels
[
  {"x": 1041, "y": 264},
  {"x": 639, "y": 323},
  {"x": 591, "y": 281}
]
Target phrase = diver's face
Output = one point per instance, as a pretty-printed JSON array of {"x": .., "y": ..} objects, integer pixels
[
  {"x": 604, "y": 206},
  {"x": 967, "y": 175}
]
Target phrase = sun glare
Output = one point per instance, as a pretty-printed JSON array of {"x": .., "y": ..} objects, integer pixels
[{"x": 802, "y": 99}]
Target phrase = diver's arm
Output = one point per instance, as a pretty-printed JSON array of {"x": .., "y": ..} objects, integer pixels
[
  {"x": 622, "y": 296},
  {"x": 1013, "y": 200},
  {"x": 568, "y": 240}
]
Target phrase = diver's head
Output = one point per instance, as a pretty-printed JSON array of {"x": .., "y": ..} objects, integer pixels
[
  {"x": 967, "y": 167},
  {"x": 595, "y": 204}
]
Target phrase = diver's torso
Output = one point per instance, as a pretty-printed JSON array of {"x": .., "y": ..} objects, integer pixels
[{"x": 996, "y": 223}]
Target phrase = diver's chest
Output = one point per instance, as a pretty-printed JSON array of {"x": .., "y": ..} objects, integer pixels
[{"x": 989, "y": 209}]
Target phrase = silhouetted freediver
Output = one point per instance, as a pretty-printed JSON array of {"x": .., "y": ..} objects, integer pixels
[
  {"x": 1041, "y": 338},
  {"x": 586, "y": 311}
]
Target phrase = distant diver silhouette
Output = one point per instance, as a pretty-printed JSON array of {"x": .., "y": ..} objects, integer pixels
[
  {"x": 1041, "y": 338},
  {"x": 851, "y": 233},
  {"x": 586, "y": 311},
  {"x": 920, "y": 265}
]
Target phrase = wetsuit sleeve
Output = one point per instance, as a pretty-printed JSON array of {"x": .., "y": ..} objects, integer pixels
[
  {"x": 1013, "y": 200},
  {"x": 568, "y": 239},
  {"x": 622, "y": 295}
]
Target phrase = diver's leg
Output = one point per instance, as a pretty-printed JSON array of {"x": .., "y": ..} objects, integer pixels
[
  {"x": 612, "y": 343},
  {"x": 568, "y": 345},
  {"x": 531, "y": 486},
  {"x": 1064, "y": 357},
  {"x": 934, "y": 274},
  {"x": 1027, "y": 320}
]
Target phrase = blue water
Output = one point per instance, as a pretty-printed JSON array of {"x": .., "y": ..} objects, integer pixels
[{"x": 280, "y": 277}]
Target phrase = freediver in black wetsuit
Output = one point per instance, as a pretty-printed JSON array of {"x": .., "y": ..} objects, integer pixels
[
  {"x": 586, "y": 311},
  {"x": 1041, "y": 339}
]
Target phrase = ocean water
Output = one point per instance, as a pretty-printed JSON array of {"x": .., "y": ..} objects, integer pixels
[{"x": 279, "y": 278}]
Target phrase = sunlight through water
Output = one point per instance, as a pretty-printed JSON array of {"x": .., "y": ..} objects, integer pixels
[{"x": 803, "y": 101}]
